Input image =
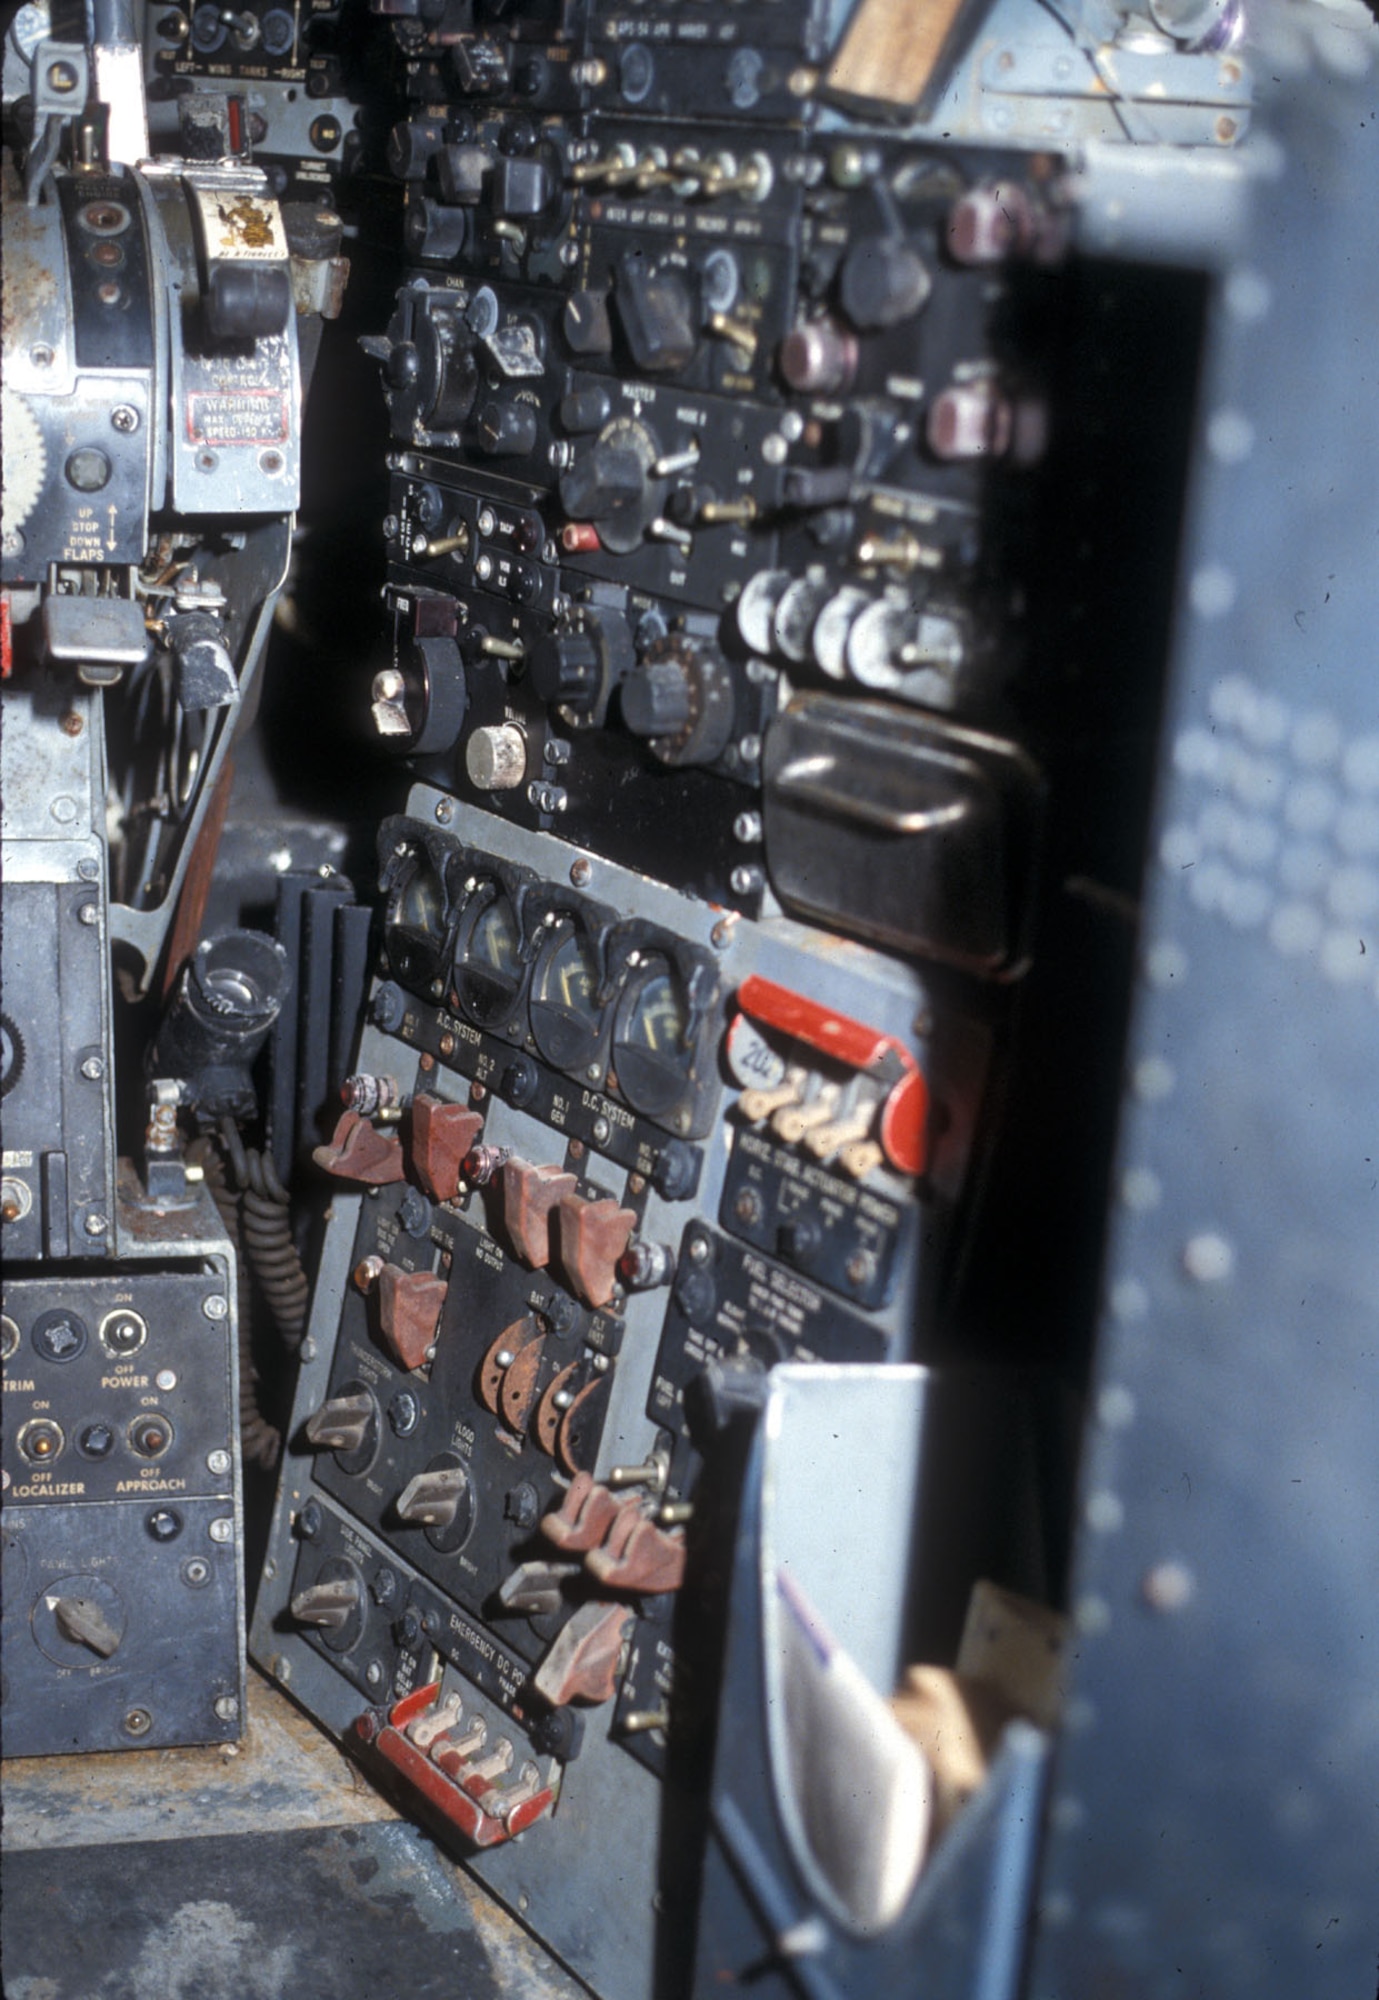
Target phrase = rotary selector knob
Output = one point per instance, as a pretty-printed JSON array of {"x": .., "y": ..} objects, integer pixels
[
  {"x": 681, "y": 700},
  {"x": 430, "y": 376},
  {"x": 612, "y": 485},
  {"x": 882, "y": 282}
]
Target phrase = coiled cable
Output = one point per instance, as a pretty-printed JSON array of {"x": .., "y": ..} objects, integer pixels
[
  {"x": 267, "y": 1229},
  {"x": 260, "y": 1440}
]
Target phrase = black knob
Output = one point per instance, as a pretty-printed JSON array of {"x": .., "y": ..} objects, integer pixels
[
  {"x": 585, "y": 409},
  {"x": 658, "y": 700},
  {"x": 588, "y": 328},
  {"x": 402, "y": 368},
  {"x": 601, "y": 481},
  {"x": 414, "y": 1212},
  {"x": 565, "y": 668},
  {"x": 460, "y": 172},
  {"x": 657, "y": 315},
  {"x": 563, "y": 1314},
  {"x": 389, "y": 1007},
  {"x": 798, "y": 1239},
  {"x": 411, "y": 147},
  {"x": 675, "y": 1175},
  {"x": 507, "y": 430},
  {"x": 522, "y": 188},
  {"x": 695, "y": 1294},
  {"x": 434, "y": 232},
  {"x": 244, "y": 301},
  {"x": 520, "y": 1080},
  {"x": 883, "y": 281}
]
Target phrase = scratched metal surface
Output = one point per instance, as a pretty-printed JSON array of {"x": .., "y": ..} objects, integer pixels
[{"x": 274, "y": 1873}]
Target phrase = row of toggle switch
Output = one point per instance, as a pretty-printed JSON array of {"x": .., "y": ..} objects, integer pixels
[{"x": 452, "y": 1764}]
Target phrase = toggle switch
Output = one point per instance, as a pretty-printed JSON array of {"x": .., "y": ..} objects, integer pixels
[
  {"x": 442, "y": 1134},
  {"x": 358, "y": 1151},
  {"x": 826, "y": 1140},
  {"x": 529, "y": 1195},
  {"x": 592, "y": 1236},
  {"x": 584, "y": 1662},
  {"x": 584, "y": 1516},
  {"x": 755, "y": 1105},
  {"x": 638, "y": 1555},
  {"x": 436, "y": 1721},
  {"x": 452, "y": 1753},
  {"x": 484, "y": 1770},
  {"x": 343, "y": 1423},
  {"x": 792, "y": 1122},
  {"x": 409, "y": 1311},
  {"x": 536, "y": 1589}
]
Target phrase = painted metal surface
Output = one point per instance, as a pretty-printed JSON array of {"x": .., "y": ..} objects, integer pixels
[{"x": 1212, "y": 1817}]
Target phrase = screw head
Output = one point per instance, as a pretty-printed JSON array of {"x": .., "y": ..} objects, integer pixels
[
  {"x": 124, "y": 417},
  {"x": 89, "y": 914},
  {"x": 216, "y": 1306},
  {"x": 581, "y": 872},
  {"x": 445, "y": 811},
  {"x": 93, "y": 1069},
  {"x": 222, "y": 1529},
  {"x": 137, "y": 1722},
  {"x": 96, "y": 1225},
  {"x": 218, "y": 1462},
  {"x": 226, "y": 1708}
]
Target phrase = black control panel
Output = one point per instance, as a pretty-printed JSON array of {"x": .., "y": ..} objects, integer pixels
[{"x": 123, "y": 1591}]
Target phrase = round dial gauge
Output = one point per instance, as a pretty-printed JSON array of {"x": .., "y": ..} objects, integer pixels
[
  {"x": 488, "y": 961},
  {"x": 416, "y": 925},
  {"x": 566, "y": 1017},
  {"x": 652, "y": 1052}
]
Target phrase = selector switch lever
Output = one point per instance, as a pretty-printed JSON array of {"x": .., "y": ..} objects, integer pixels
[
  {"x": 329, "y": 1606},
  {"x": 343, "y": 1423},
  {"x": 81, "y": 1620},
  {"x": 434, "y": 1499}
]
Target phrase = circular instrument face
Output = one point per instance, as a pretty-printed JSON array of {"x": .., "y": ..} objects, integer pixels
[
  {"x": 488, "y": 961},
  {"x": 417, "y": 925},
  {"x": 652, "y": 1051},
  {"x": 566, "y": 1016}
]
